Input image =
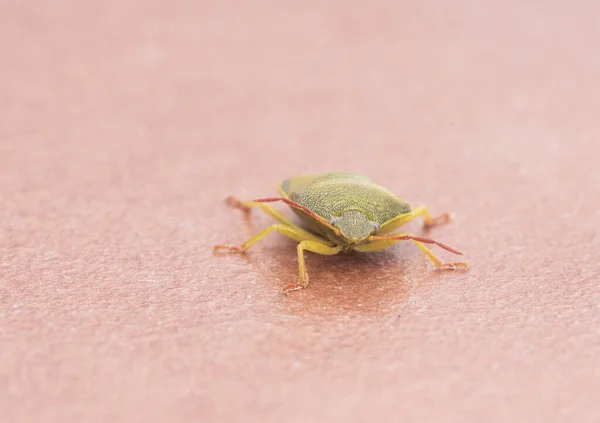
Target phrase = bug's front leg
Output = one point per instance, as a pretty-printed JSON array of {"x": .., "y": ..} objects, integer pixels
[
  {"x": 307, "y": 241},
  {"x": 380, "y": 243},
  {"x": 316, "y": 247}
]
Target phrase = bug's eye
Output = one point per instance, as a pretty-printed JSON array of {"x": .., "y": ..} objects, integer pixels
[
  {"x": 334, "y": 220},
  {"x": 376, "y": 227}
]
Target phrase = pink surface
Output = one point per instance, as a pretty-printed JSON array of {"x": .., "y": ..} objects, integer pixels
[{"x": 124, "y": 125}]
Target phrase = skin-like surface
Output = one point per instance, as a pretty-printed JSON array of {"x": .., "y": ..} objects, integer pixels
[{"x": 125, "y": 124}]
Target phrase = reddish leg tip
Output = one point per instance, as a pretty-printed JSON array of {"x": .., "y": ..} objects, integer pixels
[
  {"x": 454, "y": 266},
  {"x": 286, "y": 289},
  {"x": 227, "y": 249},
  {"x": 235, "y": 203},
  {"x": 439, "y": 220}
]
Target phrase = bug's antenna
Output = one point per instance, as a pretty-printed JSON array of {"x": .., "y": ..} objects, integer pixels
[{"x": 415, "y": 238}]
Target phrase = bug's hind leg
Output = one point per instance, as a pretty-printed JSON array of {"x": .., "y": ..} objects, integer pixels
[
  {"x": 245, "y": 206},
  {"x": 316, "y": 247}
]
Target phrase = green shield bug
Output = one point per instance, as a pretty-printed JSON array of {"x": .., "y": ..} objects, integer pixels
[{"x": 341, "y": 212}]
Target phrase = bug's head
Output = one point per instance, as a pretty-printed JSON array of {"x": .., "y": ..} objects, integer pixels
[{"x": 355, "y": 226}]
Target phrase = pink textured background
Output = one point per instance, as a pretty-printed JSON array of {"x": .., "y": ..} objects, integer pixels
[{"x": 125, "y": 124}]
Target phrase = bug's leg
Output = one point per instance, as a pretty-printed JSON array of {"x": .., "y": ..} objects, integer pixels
[
  {"x": 428, "y": 221},
  {"x": 245, "y": 206},
  {"x": 316, "y": 247},
  {"x": 386, "y": 242},
  {"x": 307, "y": 241},
  {"x": 293, "y": 232}
]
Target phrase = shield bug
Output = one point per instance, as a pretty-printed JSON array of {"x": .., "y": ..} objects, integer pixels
[{"x": 341, "y": 212}]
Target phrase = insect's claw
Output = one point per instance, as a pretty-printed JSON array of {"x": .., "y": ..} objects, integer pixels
[
  {"x": 227, "y": 249},
  {"x": 286, "y": 289},
  {"x": 454, "y": 266}
]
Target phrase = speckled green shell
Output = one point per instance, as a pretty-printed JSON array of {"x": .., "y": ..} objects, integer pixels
[{"x": 331, "y": 194}]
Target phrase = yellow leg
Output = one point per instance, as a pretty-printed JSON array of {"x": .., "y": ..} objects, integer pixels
[
  {"x": 382, "y": 244},
  {"x": 307, "y": 241},
  {"x": 293, "y": 232},
  {"x": 316, "y": 247},
  {"x": 270, "y": 210},
  {"x": 428, "y": 221}
]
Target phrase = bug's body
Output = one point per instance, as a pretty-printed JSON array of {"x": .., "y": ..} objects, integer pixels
[
  {"x": 342, "y": 212},
  {"x": 356, "y": 204}
]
